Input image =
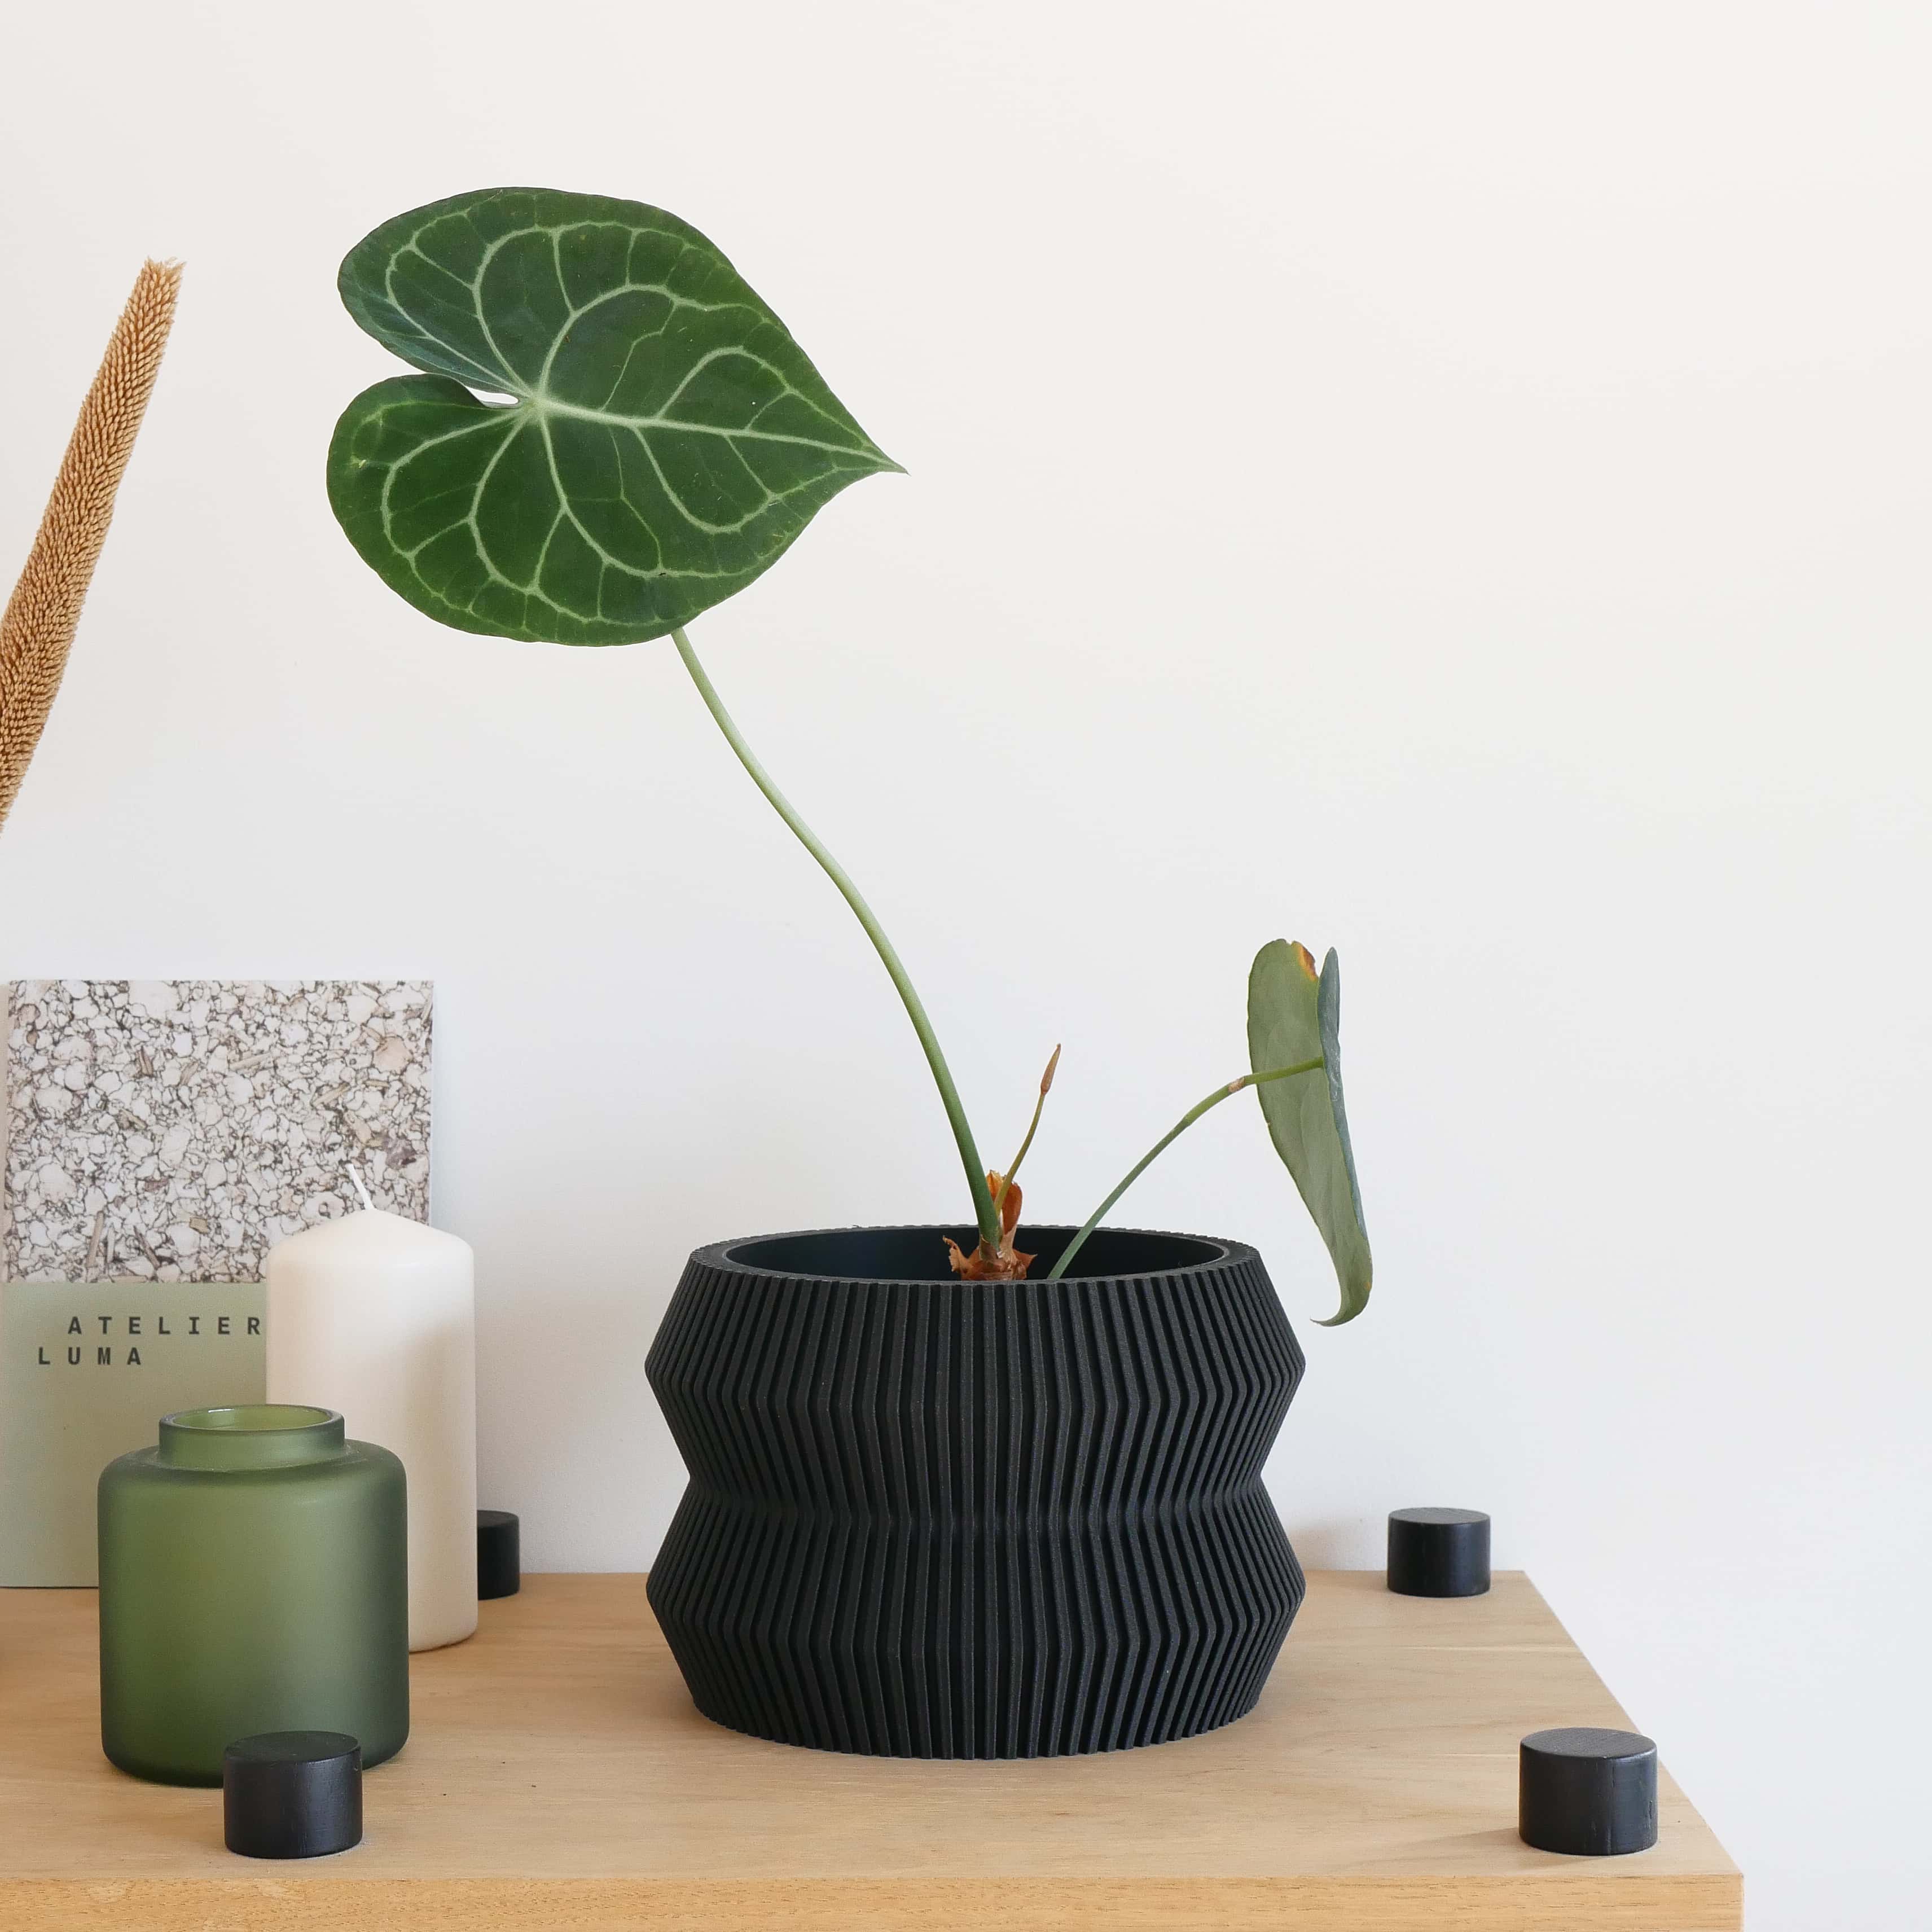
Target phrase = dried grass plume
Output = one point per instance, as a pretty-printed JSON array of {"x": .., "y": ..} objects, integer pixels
[{"x": 37, "y": 628}]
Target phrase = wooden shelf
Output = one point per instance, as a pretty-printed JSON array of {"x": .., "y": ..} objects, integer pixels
[{"x": 557, "y": 1777}]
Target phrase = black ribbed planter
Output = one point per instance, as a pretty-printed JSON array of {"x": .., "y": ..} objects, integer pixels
[{"x": 928, "y": 1518}]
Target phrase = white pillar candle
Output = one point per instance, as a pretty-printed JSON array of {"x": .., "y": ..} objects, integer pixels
[{"x": 375, "y": 1315}]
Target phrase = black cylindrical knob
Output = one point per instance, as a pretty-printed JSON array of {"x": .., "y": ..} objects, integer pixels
[
  {"x": 291, "y": 1794},
  {"x": 1439, "y": 1552},
  {"x": 1591, "y": 1793},
  {"x": 499, "y": 1564}
]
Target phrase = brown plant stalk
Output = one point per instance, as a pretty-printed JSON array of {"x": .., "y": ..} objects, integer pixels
[{"x": 37, "y": 630}]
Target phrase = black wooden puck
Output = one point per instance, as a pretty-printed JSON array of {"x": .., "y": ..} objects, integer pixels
[
  {"x": 1439, "y": 1552},
  {"x": 1592, "y": 1794},
  {"x": 499, "y": 1571},
  {"x": 291, "y": 1794}
]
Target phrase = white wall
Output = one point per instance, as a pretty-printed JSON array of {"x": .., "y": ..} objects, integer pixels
[{"x": 1448, "y": 482}]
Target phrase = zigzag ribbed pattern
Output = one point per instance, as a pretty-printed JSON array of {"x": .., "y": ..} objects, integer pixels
[{"x": 934, "y": 1519}]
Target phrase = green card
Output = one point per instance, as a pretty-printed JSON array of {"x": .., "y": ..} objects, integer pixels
[{"x": 87, "y": 1371}]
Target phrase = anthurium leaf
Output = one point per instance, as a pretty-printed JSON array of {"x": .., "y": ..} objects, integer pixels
[
  {"x": 1294, "y": 1014},
  {"x": 664, "y": 441}
]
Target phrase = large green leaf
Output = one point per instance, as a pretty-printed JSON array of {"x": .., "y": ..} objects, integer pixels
[
  {"x": 664, "y": 441},
  {"x": 1293, "y": 1015}
]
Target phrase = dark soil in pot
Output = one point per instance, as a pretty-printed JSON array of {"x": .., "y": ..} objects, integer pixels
[{"x": 928, "y": 1518}]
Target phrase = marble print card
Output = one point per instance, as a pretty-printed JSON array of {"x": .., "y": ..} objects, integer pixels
[
  {"x": 175, "y": 1130},
  {"x": 157, "y": 1138}
]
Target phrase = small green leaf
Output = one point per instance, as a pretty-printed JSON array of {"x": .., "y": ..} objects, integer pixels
[
  {"x": 663, "y": 442},
  {"x": 1294, "y": 1015}
]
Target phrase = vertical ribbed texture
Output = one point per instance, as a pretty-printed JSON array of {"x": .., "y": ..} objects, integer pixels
[
  {"x": 36, "y": 629},
  {"x": 1001, "y": 1520}
]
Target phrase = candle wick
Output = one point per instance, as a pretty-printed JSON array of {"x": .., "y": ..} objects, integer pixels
[{"x": 356, "y": 1181}]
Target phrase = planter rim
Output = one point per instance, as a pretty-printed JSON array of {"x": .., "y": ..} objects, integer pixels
[{"x": 724, "y": 1254}]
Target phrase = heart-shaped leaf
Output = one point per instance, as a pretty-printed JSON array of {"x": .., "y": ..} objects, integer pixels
[
  {"x": 1293, "y": 1015},
  {"x": 664, "y": 441}
]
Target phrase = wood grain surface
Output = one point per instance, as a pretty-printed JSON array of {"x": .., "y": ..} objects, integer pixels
[{"x": 557, "y": 1780}]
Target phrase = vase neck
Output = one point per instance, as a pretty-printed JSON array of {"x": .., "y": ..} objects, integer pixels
[{"x": 259, "y": 1436}]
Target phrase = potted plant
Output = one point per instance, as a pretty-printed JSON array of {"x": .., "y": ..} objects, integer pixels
[{"x": 984, "y": 1491}]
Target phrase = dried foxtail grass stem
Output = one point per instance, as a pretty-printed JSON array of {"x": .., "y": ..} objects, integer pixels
[{"x": 38, "y": 629}]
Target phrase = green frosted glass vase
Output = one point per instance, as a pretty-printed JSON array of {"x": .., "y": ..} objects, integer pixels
[{"x": 253, "y": 1577}]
